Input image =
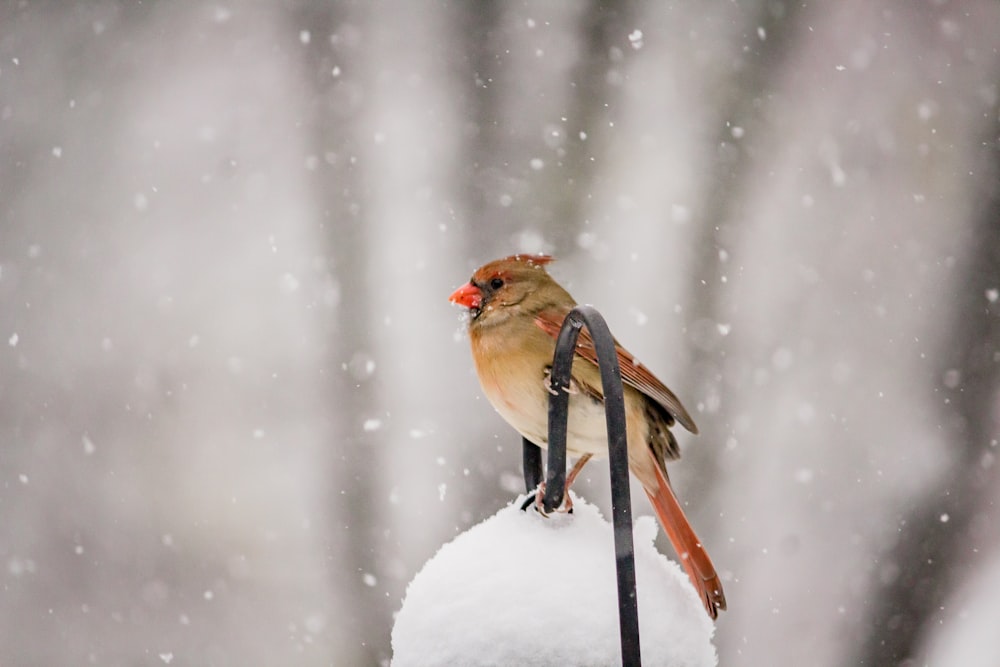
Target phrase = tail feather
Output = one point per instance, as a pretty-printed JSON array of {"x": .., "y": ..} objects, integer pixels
[{"x": 692, "y": 554}]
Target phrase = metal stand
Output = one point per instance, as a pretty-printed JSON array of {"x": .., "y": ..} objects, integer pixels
[{"x": 614, "y": 409}]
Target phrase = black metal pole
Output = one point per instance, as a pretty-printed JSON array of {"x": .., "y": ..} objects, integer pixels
[
  {"x": 614, "y": 408},
  {"x": 532, "y": 458}
]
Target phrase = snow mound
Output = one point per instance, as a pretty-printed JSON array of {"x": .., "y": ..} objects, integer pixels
[{"x": 520, "y": 589}]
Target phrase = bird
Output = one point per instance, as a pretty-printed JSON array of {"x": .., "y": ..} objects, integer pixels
[{"x": 515, "y": 311}]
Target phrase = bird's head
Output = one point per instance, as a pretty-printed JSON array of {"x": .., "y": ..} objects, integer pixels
[{"x": 506, "y": 287}]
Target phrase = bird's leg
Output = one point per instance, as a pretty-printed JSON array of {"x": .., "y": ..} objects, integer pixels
[
  {"x": 567, "y": 503},
  {"x": 577, "y": 467}
]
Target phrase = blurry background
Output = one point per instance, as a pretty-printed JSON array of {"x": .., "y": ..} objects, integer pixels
[{"x": 237, "y": 413}]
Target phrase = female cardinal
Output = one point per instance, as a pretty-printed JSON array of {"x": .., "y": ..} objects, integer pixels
[{"x": 516, "y": 311}]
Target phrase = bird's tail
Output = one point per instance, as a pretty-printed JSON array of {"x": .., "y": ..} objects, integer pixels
[{"x": 693, "y": 556}]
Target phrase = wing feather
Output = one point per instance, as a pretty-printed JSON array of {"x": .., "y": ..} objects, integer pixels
[{"x": 634, "y": 373}]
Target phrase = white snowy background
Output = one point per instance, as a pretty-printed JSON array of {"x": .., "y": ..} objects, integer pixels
[{"x": 237, "y": 414}]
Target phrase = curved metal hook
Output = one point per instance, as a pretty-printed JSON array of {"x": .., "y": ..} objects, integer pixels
[{"x": 614, "y": 409}]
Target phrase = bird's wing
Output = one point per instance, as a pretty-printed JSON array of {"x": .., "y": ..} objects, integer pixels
[{"x": 634, "y": 373}]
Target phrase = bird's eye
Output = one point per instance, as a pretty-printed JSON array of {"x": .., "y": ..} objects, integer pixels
[{"x": 496, "y": 283}]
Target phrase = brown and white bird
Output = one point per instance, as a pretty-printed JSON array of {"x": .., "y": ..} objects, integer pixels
[{"x": 516, "y": 311}]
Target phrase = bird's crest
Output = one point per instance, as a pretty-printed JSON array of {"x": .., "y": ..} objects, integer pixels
[{"x": 530, "y": 259}]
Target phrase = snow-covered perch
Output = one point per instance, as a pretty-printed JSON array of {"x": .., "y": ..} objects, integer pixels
[{"x": 520, "y": 589}]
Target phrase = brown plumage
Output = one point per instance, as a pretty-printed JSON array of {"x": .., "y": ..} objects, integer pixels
[{"x": 516, "y": 310}]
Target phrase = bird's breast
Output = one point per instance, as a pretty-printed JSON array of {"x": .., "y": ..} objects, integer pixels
[{"x": 514, "y": 379}]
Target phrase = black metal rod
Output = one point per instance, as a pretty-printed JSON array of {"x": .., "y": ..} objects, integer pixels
[
  {"x": 614, "y": 408},
  {"x": 532, "y": 457},
  {"x": 559, "y": 378}
]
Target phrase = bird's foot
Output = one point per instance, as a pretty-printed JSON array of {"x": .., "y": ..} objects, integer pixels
[
  {"x": 566, "y": 506},
  {"x": 571, "y": 389},
  {"x": 547, "y": 382},
  {"x": 538, "y": 500}
]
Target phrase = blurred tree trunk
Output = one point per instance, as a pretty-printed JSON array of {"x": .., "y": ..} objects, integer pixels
[
  {"x": 737, "y": 153},
  {"x": 533, "y": 156},
  {"x": 478, "y": 26},
  {"x": 939, "y": 541},
  {"x": 332, "y": 60},
  {"x": 592, "y": 111},
  {"x": 856, "y": 161}
]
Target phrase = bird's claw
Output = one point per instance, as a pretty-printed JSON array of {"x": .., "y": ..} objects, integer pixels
[
  {"x": 538, "y": 500},
  {"x": 547, "y": 382},
  {"x": 570, "y": 389}
]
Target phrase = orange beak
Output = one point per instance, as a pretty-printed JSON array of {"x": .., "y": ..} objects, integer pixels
[{"x": 467, "y": 295}]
